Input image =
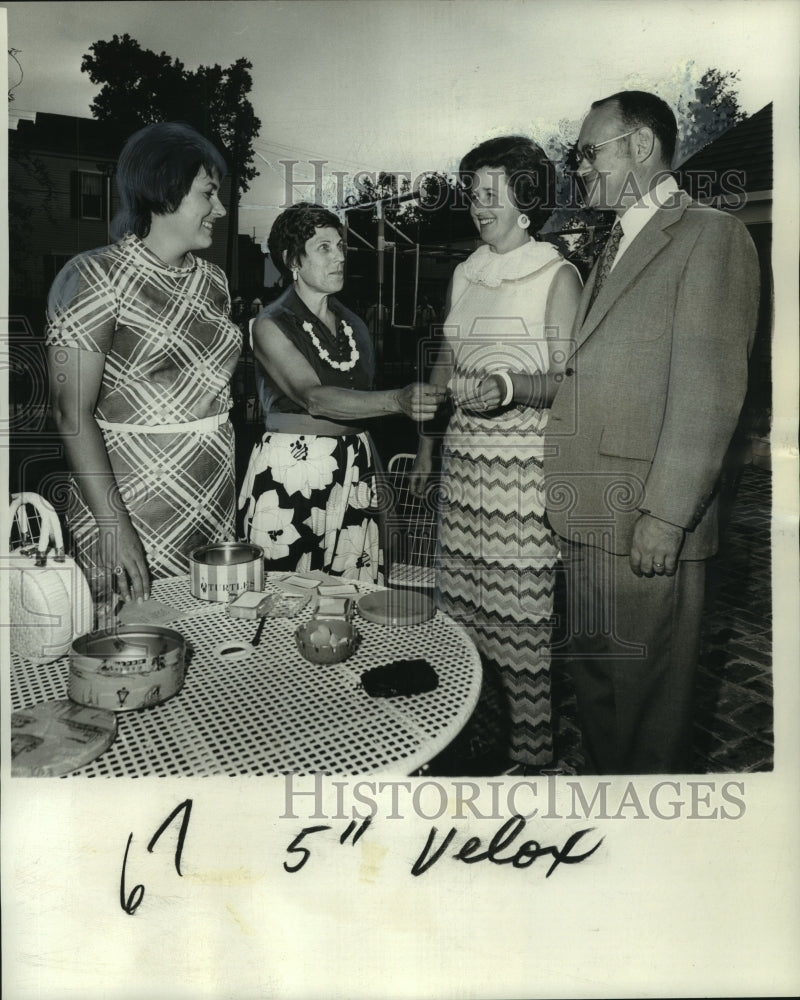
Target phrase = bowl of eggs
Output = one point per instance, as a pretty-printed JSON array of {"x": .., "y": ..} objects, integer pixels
[{"x": 326, "y": 640}]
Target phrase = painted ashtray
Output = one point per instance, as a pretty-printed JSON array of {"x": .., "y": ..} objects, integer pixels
[{"x": 326, "y": 640}]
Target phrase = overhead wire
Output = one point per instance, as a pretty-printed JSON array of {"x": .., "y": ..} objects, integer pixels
[{"x": 283, "y": 148}]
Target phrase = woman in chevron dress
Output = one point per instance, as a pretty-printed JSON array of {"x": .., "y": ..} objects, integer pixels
[
  {"x": 510, "y": 309},
  {"x": 141, "y": 350}
]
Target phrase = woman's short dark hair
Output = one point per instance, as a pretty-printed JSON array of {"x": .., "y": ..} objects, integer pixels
[
  {"x": 155, "y": 173},
  {"x": 530, "y": 174},
  {"x": 293, "y": 228}
]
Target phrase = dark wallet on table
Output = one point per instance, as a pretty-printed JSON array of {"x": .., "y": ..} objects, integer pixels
[{"x": 402, "y": 677}]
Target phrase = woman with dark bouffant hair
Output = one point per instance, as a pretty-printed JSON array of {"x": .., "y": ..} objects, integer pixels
[
  {"x": 309, "y": 494},
  {"x": 141, "y": 348},
  {"x": 510, "y": 310}
]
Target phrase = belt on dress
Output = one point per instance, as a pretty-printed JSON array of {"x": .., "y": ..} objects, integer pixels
[
  {"x": 304, "y": 423},
  {"x": 205, "y": 425}
]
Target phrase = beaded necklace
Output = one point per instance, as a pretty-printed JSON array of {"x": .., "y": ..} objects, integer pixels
[{"x": 342, "y": 366}]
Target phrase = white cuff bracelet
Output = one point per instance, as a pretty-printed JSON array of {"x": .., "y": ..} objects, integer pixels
[{"x": 506, "y": 377}]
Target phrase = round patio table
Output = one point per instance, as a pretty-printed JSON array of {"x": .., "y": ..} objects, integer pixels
[{"x": 272, "y": 712}]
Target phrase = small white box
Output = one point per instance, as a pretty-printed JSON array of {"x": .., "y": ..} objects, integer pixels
[{"x": 334, "y": 607}]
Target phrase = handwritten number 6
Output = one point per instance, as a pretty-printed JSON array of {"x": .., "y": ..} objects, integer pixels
[{"x": 131, "y": 904}]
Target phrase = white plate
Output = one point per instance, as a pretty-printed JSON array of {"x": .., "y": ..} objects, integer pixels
[{"x": 396, "y": 607}]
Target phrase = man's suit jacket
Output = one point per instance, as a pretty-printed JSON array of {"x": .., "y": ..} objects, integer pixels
[{"x": 655, "y": 382}]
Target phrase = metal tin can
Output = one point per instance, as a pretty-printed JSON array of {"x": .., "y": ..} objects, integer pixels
[
  {"x": 221, "y": 571},
  {"x": 127, "y": 668}
]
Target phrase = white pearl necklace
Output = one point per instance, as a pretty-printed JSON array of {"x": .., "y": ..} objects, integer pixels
[{"x": 342, "y": 366}]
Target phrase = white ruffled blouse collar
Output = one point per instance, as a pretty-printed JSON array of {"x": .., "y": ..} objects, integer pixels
[{"x": 484, "y": 267}]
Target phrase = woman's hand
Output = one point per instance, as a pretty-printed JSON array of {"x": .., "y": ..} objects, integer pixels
[
  {"x": 296, "y": 378},
  {"x": 124, "y": 564},
  {"x": 75, "y": 379},
  {"x": 421, "y": 400},
  {"x": 420, "y": 472},
  {"x": 491, "y": 393},
  {"x": 481, "y": 395}
]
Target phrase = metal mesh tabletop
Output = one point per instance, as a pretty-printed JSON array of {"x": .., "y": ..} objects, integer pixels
[{"x": 274, "y": 712}]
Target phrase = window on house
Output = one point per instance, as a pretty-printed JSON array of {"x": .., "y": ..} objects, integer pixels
[{"x": 89, "y": 195}]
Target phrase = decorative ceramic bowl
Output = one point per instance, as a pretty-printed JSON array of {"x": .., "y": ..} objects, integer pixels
[{"x": 314, "y": 640}]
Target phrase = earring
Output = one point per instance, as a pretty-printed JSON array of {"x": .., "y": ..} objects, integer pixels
[
  {"x": 295, "y": 272},
  {"x": 523, "y": 221}
]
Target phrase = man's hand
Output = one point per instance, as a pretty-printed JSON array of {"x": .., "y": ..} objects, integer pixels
[{"x": 655, "y": 547}]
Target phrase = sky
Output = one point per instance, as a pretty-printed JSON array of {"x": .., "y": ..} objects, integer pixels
[{"x": 410, "y": 85}]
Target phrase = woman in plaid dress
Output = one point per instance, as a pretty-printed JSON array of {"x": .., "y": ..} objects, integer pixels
[{"x": 141, "y": 350}]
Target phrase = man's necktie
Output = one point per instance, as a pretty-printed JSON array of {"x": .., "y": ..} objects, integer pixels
[{"x": 607, "y": 258}]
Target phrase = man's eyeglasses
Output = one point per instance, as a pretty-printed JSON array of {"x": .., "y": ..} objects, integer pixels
[{"x": 575, "y": 156}]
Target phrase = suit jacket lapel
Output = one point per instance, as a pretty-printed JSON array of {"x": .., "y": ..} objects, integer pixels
[
  {"x": 586, "y": 297},
  {"x": 649, "y": 242}
]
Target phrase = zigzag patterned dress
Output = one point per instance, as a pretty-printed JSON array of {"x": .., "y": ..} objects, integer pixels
[
  {"x": 496, "y": 558},
  {"x": 170, "y": 350}
]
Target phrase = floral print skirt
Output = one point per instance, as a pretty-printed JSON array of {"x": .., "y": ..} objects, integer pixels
[{"x": 310, "y": 501}]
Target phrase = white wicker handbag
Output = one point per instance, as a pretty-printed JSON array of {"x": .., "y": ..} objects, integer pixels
[{"x": 49, "y": 599}]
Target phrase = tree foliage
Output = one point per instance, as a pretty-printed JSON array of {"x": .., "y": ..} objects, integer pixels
[
  {"x": 139, "y": 86},
  {"x": 712, "y": 110}
]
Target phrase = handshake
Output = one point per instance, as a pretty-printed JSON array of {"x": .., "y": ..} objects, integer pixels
[
  {"x": 482, "y": 393},
  {"x": 479, "y": 393}
]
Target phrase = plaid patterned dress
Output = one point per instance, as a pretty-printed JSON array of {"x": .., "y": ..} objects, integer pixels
[
  {"x": 497, "y": 554},
  {"x": 170, "y": 350}
]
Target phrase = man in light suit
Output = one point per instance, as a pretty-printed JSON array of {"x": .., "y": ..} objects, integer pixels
[{"x": 637, "y": 436}]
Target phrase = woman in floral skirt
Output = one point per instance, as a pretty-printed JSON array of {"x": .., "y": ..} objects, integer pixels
[{"x": 308, "y": 496}]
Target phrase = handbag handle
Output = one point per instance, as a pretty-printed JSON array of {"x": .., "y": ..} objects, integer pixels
[{"x": 51, "y": 526}]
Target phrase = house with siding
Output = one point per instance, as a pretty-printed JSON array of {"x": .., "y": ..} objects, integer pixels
[{"x": 734, "y": 173}]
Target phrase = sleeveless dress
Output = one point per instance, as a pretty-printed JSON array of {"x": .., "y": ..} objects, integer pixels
[
  {"x": 496, "y": 554},
  {"x": 170, "y": 349},
  {"x": 310, "y": 500}
]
